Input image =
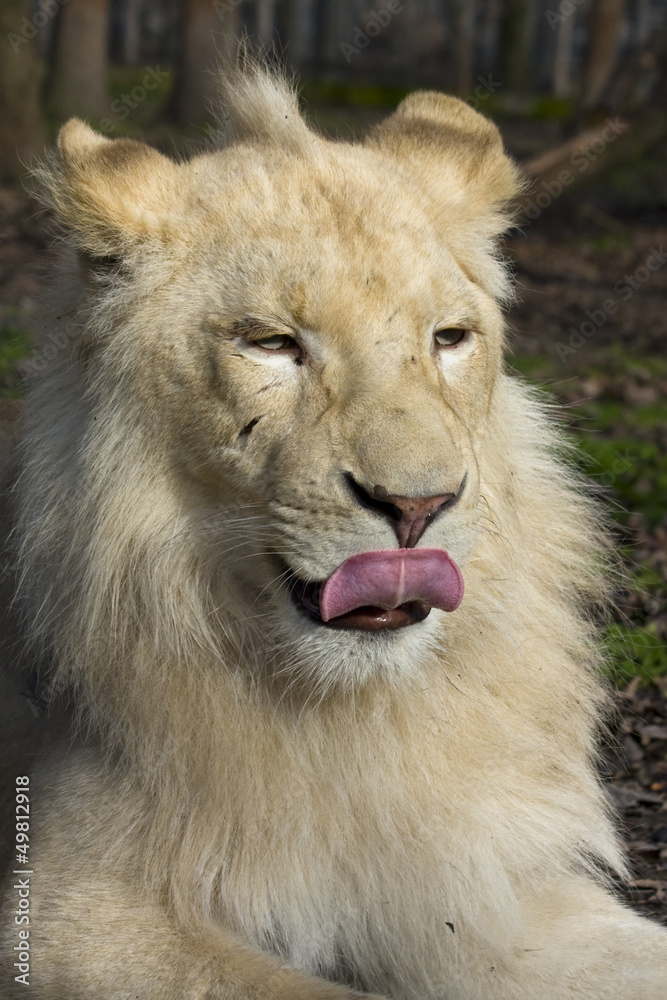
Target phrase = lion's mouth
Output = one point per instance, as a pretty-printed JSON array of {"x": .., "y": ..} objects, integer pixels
[
  {"x": 307, "y": 597},
  {"x": 378, "y": 591}
]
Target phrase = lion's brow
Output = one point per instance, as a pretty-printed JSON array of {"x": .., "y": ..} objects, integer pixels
[{"x": 253, "y": 325}]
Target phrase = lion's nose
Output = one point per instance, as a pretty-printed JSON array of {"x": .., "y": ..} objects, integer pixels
[{"x": 410, "y": 516}]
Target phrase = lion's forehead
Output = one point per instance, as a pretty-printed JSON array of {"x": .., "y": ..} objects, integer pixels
[
  {"x": 334, "y": 248},
  {"x": 351, "y": 206}
]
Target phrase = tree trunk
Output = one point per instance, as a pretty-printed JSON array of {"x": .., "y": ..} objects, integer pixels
[
  {"x": 562, "y": 75},
  {"x": 604, "y": 26},
  {"x": 635, "y": 81},
  {"x": 208, "y": 36},
  {"x": 298, "y": 18},
  {"x": 132, "y": 32},
  {"x": 465, "y": 43},
  {"x": 266, "y": 10},
  {"x": 79, "y": 82},
  {"x": 489, "y": 33},
  {"x": 335, "y": 27},
  {"x": 515, "y": 32},
  {"x": 644, "y": 22},
  {"x": 21, "y": 127}
]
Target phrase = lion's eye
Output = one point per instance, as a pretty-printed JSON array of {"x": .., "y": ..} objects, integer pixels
[
  {"x": 277, "y": 342},
  {"x": 449, "y": 337}
]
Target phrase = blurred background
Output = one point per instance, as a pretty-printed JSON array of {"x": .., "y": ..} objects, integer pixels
[
  {"x": 139, "y": 64},
  {"x": 578, "y": 89}
]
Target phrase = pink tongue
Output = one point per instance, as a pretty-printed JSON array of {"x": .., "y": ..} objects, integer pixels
[{"x": 387, "y": 579}]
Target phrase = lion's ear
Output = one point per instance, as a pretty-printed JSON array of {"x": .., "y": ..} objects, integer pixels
[
  {"x": 111, "y": 195},
  {"x": 456, "y": 154},
  {"x": 457, "y": 157}
]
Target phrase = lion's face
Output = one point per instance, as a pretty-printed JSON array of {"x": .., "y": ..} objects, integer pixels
[
  {"x": 318, "y": 360},
  {"x": 331, "y": 382}
]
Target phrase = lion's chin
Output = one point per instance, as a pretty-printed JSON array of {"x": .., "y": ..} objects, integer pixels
[{"x": 306, "y": 596}]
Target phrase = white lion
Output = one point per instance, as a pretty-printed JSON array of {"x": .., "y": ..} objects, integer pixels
[{"x": 276, "y": 441}]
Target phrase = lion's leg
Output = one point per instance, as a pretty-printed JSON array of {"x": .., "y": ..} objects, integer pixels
[
  {"x": 99, "y": 939},
  {"x": 581, "y": 944}
]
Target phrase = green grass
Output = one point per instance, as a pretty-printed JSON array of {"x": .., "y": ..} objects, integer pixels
[
  {"x": 635, "y": 652},
  {"x": 633, "y": 479},
  {"x": 609, "y": 241},
  {"x": 13, "y": 348},
  {"x": 622, "y": 448},
  {"x": 622, "y": 452},
  {"x": 350, "y": 95},
  {"x": 552, "y": 109}
]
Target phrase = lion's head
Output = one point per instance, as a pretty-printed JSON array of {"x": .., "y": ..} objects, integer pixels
[{"x": 282, "y": 367}]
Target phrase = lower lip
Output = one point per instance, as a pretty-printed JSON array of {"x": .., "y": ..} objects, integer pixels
[{"x": 371, "y": 619}]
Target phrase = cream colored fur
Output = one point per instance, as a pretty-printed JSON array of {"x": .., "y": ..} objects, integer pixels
[{"x": 252, "y": 805}]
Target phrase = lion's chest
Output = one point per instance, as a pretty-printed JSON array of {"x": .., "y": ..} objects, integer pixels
[{"x": 375, "y": 897}]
